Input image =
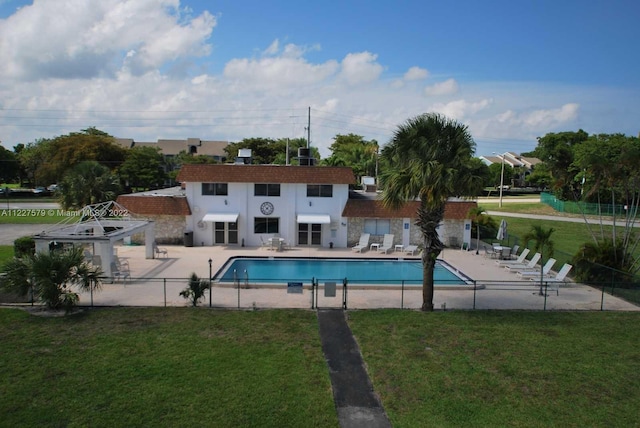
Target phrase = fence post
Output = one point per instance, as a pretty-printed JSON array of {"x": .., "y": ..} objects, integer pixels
[
  {"x": 602, "y": 298},
  {"x": 313, "y": 288},
  {"x": 164, "y": 281},
  {"x": 344, "y": 294},
  {"x": 475, "y": 287},
  {"x": 546, "y": 286},
  {"x": 402, "y": 296}
]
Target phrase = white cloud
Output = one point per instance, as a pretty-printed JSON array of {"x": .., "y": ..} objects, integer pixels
[
  {"x": 461, "y": 109},
  {"x": 360, "y": 68},
  {"x": 449, "y": 86},
  {"x": 82, "y": 38},
  {"x": 416, "y": 73}
]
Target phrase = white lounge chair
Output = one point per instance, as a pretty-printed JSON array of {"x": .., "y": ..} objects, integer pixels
[
  {"x": 553, "y": 282},
  {"x": 536, "y": 272},
  {"x": 411, "y": 249},
  {"x": 387, "y": 243},
  {"x": 363, "y": 243},
  {"x": 514, "y": 252},
  {"x": 518, "y": 261},
  {"x": 523, "y": 266}
]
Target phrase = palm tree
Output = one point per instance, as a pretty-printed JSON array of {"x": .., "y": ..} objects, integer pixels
[
  {"x": 51, "y": 277},
  {"x": 195, "y": 289},
  {"x": 429, "y": 159},
  {"x": 478, "y": 216},
  {"x": 88, "y": 183},
  {"x": 542, "y": 241}
]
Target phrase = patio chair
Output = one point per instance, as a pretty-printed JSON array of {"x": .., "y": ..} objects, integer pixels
[
  {"x": 159, "y": 252},
  {"x": 265, "y": 244},
  {"x": 536, "y": 272},
  {"x": 518, "y": 261},
  {"x": 523, "y": 266},
  {"x": 387, "y": 243},
  {"x": 554, "y": 282},
  {"x": 489, "y": 252},
  {"x": 363, "y": 243},
  {"x": 411, "y": 249},
  {"x": 120, "y": 270}
]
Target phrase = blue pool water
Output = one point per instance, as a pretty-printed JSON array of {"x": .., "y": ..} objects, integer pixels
[{"x": 357, "y": 271}]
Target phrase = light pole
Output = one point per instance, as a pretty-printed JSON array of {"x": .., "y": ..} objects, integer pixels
[
  {"x": 210, "y": 291},
  {"x": 501, "y": 177}
]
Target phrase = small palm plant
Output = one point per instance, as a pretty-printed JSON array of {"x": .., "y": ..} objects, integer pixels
[
  {"x": 52, "y": 277},
  {"x": 196, "y": 287},
  {"x": 542, "y": 241}
]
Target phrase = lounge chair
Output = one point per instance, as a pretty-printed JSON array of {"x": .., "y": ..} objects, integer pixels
[
  {"x": 514, "y": 252},
  {"x": 387, "y": 243},
  {"x": 159, "y": 252},
  {"x": 518, "y": 261},
  {"x": 363, "y": 243},
  {"x": 411, "y": 249},
  {"x": 553, "y": 282},
  {"x": 523, "y": 266},
  {"x": 536, "y": 272}
]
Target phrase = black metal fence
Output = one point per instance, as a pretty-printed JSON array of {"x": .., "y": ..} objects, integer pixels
[{"x": 340, "y": 293}]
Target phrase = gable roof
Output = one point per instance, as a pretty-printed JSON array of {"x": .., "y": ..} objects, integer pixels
[
  {"x": 155, "y": 204},
  {"x": 370, "y": 208},
  {"x": 231, "y": 173}
]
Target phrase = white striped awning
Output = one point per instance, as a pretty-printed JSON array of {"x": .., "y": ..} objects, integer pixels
[
  {"x": 221, "y": 217},
  {"x": 314, "y": 218}
]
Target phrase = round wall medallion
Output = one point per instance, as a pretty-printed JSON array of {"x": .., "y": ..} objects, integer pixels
[{"x": 266, "y": 208}]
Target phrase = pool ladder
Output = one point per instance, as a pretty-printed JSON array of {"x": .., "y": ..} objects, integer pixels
[{"x": 236, "y": 280}]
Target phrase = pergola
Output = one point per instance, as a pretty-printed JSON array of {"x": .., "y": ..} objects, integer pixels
[{"x": 100, "y": 225}]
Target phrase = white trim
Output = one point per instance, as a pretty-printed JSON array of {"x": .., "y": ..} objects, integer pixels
[
  {"x": 314, "y": 218},
  {"x": 221, "y": 217}
]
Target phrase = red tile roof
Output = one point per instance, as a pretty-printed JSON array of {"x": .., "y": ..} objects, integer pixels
[
  {"x": 227, "y": 173},
  {"x": 155, "y": 204},
  {"x": 369, "y": 208}
]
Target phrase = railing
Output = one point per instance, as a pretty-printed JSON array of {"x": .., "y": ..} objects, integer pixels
[
  {"x": 475, "y": 295},
  {"x": 587, "y": 208}
]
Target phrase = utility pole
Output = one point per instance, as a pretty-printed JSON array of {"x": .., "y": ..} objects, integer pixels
[{"x": 309, "y": 129}]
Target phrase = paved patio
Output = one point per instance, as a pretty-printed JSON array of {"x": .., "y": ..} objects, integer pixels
[{"x": 154, "y": 282}]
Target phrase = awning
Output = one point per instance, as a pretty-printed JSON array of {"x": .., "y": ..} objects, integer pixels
[
  {"x": 314, "y": 218},
  {"x": 221, "y": 217}
]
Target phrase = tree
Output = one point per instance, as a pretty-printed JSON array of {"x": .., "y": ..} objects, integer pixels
[
  {"x": 429, "y": 158},
  {"x": 87, "y": 183},
  {"x": 356, "y": 152},
  {"x": 556, "y": 150},
  {"x": 52, "y": 276},
  {"x": 143, "y": 168},
  {"x": 609, "y": 166},
  {"x": 195, "y": 290},
  {"x": 9, "y": 166},
  {"x": 495, "y": 174},
  {"x": 480, "y": 219},
  {"x": 270, "y": 151},
  {"x": 542, "y": 241}
]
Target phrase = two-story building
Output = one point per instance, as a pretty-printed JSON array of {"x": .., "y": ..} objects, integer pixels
[{"x": 244, "y": 204}]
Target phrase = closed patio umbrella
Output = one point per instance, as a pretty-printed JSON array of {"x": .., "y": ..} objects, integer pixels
[{"x": 502, "y": 230}]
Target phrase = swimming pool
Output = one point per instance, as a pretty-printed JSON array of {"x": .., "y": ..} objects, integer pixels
[{"x": 357, "y": 271}]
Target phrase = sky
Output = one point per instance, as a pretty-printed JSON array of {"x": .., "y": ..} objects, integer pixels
[{"x": 511, "y": 71}]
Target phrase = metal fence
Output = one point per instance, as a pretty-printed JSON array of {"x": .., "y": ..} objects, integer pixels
[
  {"x": 339, "y": 293},
  {"x": 587, "y": 208}
]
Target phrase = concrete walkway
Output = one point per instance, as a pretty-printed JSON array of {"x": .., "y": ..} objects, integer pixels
[{"x": 356, "y": 403}]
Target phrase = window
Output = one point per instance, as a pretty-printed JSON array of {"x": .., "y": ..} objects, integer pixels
[
  {"x": 262, "y": 189},
  {"x": 215, "y": 189},
  {"x": 266, "y": 225},
  {"x": 320, "y": 190},
  {"x": 377, "y": 226}
]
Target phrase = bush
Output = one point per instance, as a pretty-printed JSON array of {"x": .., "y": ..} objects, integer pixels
[
  {"x": 195, "y": 289},
  {"x": 25, "y": 246}
]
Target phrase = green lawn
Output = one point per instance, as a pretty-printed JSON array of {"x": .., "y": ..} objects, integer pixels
[
  {"x": 503, "y": 368},
  {"x": 179, "y": 367}
]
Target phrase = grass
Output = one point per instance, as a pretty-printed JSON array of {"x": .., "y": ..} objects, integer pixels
[
  {"x": 503, "y": 368},
  {"x": 6, "y": 253},
  {"x": 164, "y": 367}
]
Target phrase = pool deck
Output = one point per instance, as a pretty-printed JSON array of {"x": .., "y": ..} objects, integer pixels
[{"x": 154, "y": 281}]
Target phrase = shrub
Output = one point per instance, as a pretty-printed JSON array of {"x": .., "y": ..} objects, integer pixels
[{"x": 25, "y": 246}]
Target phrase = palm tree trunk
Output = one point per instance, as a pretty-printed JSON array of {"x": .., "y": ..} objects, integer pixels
[{"x": 428, "y": 267}]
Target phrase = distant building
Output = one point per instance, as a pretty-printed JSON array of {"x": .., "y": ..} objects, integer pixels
[
  {"x": 171, "y": 148},
  {"x": 522, "y": 165}
]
